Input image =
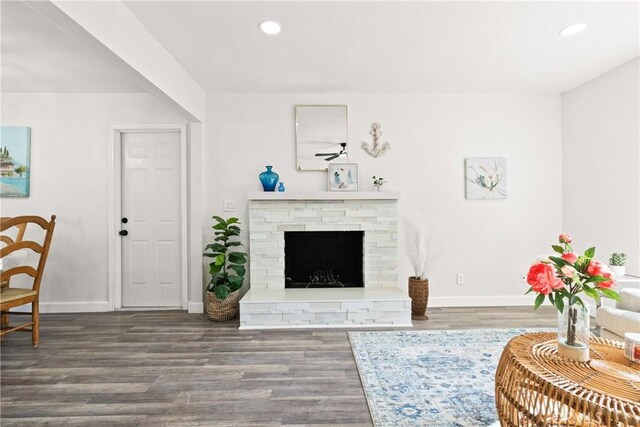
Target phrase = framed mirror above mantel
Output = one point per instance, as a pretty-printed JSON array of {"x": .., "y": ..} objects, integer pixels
[{"x": 321, "y": 136}]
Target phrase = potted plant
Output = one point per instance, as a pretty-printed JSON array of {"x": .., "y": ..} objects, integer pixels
[
  {"x": 617, "y": 262},
  {"x": 562, "y": 279},
  {"x": 377, "y": 182},
  {"x": 227, "y": 270},
  {"x": 418, "y": 283}
]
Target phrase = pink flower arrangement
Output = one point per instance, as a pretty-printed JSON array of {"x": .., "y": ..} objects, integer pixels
[{"x": 564, "y": 277}]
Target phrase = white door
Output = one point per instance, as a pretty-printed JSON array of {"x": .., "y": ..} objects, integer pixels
[{"x": 151, "y": 253}]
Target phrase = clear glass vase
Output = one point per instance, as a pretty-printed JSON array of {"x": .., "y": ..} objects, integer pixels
[{"x": 573, "y": 333}]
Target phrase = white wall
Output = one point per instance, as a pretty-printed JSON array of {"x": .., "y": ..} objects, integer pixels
[
  {"x": 69, "y": 163},
  {"x": 491, "y": 242},
  {"x": 601, "y": 152}
]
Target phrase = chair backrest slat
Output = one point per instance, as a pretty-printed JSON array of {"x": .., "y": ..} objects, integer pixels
[
  {"x": 23, "y": 269},
  {"x": 26, "y": 244},
  {"x": 21, "y": 223}
]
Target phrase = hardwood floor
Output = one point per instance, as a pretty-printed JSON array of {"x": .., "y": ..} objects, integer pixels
[{"x": 172, "y": 368}]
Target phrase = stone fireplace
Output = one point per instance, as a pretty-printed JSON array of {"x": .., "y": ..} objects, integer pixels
[{"x": 323, "y": 259}]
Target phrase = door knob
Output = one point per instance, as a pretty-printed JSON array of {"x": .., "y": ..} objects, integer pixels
[
  {"x": 125, "y": 220},
  {"x": 123, "y": 232}
]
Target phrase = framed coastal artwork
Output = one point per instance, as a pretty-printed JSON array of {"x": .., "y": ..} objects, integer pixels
[
  {"x": 343, "y": 177},
  {"x": 15, "y": 170},
  {"x": 485, "y": 178}
]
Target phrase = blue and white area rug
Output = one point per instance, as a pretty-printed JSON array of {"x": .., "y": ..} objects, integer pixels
[{"x": 431, "y": 378}]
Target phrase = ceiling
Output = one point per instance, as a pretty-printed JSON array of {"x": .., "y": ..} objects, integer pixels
[
  {"x": 38, "y": 56},
  {"x": 392, "y": 46},
  {"x": 333, "y": 46}
]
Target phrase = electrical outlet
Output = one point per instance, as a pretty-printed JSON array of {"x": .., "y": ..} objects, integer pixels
[
  {"x": 229, "y": 205},
  {"x": 460, "y": 279}
]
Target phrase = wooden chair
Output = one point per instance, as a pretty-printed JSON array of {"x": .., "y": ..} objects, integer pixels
[{"x": 14, "y": 297}]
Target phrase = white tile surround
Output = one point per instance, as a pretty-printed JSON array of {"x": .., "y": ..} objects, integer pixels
[{"x": 269, "y": 305}]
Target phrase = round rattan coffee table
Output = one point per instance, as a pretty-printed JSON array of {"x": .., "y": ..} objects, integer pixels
[{"x": 536, "y": 387}]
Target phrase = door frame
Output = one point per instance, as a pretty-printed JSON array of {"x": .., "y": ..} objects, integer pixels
[{"x": 115, "y": 208}]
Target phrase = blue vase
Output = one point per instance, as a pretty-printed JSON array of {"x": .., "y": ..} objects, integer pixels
[
  {"x": 281, "y": 187},
  {"x": 269, "y": 179}
]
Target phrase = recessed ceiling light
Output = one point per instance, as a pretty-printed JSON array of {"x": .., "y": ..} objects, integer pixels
[
  {"x": 270, "y": 27},
  {"x": 573, "y": 29}
]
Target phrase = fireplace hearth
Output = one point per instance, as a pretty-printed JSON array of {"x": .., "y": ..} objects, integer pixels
[{"x": 323, "y": 259}]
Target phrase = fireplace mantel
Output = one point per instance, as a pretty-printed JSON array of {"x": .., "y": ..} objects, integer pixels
[{"x": 324, "y": 195}]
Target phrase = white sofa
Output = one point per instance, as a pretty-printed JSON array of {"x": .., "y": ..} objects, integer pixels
[{"x": 625, "y": 317}]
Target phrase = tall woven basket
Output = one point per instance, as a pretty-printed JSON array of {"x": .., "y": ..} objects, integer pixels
[
  {"x": 419, "y": 293},
  {"x": 220, "y": 310}
]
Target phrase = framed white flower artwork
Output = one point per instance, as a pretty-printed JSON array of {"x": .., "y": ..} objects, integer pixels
[{"x": 485, "y": 178}]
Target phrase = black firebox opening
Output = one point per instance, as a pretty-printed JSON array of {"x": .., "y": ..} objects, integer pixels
[{"x": 323, "y": 259}]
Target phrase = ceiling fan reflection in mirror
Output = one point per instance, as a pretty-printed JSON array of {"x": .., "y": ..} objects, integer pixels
[{"x": 331, "y": 156}]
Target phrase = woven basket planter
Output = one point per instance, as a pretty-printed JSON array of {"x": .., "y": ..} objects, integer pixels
[
  {"x": 419, "y": 293},
  {"x": 220, "y": 310}
]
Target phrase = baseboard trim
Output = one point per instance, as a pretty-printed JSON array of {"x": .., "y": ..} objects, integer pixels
[
  {"x": 195, "y": 307},
  {"x": 145, "y": 308},
  {"x": 482, "y": 301},
  {"x": 73, "y": 307}
]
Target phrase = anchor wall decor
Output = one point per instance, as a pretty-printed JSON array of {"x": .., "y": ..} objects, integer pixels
[{"x": 378, "y": 148}]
